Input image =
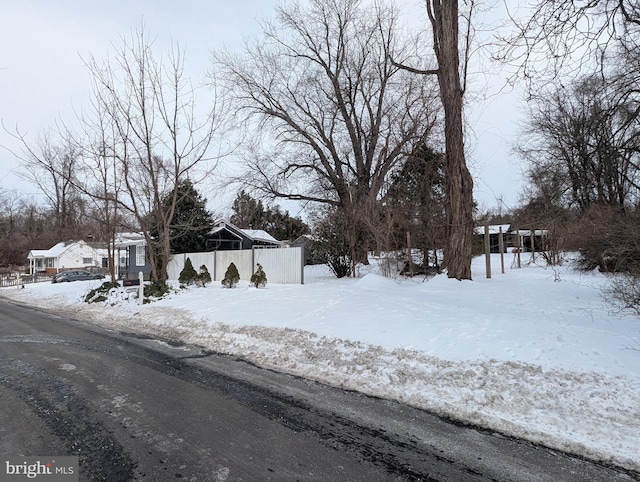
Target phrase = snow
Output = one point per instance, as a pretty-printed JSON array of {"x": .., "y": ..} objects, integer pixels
[{"x": 534, "y": 353}]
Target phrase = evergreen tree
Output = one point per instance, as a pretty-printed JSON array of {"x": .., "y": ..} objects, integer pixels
[
  {"x": 203, "y": 276},
  {"x": 251, "y": 213},
  {"x": 331, "y": 243},
  {"x": 283, "y": 226},
  {"x": 259, "y": 278},
  {"x": 231, "y": 276},
  {"x": 248, "y": 212},
  {"x": 191, "y": 222},
  {"x": 416, "y": 201},
  {"x": 188, "y": 274}
]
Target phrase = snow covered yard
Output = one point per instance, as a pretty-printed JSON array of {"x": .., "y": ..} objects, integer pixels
[{"x": 522, "y": 353}]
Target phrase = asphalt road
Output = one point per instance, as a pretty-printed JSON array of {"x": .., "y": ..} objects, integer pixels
[{"x": 135, "y": 408}]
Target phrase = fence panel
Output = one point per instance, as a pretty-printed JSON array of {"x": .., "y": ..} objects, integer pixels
[
  {"x": 281, "y": 265},
  {"x": 6, "y": 281},
  {"x": 242, "y": 258},
  {"x": 284, "y": 265},
  {"x": 176, "y": 264},
  {"x": 207, "y": 259}
]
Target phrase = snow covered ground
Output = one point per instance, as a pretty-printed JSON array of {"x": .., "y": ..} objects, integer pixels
[{"x": 535, "y": 353}]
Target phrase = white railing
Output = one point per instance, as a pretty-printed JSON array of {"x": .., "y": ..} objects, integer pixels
[{"x": 15, "y": 280}]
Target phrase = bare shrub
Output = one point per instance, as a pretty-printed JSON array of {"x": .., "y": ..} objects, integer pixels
[
  {"x": 623, "y": 292},
  {"x": 610, "y": 240},
  {"x": 389, "y": 264},
  {"x": 555, "y": 220},
  {"x": 331, "y": 241},
  {"x": 553, "y": 246}
]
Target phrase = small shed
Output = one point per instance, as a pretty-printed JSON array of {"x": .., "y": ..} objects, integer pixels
[
  {"x": 532, "y": 239},
  {"x": 226, "y": 236},
  {"x": 65, "y": 255},
  {"x": 494, "y": 237},
  {"x": 309, "y": 244}
]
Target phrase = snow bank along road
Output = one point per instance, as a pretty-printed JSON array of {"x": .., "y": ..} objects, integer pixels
[{"x": 136, "y": 408}]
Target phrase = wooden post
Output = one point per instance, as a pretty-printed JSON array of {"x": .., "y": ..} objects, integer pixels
[
  {"x": 409, "y": 254},
  {"x": 487, "y": 250},
  {"x": 501, "y": 247},
  {"x": 533, "y": 246}
]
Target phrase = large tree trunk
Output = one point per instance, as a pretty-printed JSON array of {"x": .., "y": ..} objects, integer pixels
[
  {"x": 459, "y": 203},
  {"x": 459, "y": 184}
]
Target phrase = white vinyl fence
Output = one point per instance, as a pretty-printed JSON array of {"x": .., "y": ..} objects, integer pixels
[{"x": 281, "y": 265}]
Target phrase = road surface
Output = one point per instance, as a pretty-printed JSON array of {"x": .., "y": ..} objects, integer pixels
[{"x": 135, "y": 408}]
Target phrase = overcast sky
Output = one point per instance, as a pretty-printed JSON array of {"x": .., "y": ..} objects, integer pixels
[{"x": 43, "y": 78}]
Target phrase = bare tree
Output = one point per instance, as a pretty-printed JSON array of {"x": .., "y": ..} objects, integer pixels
[
  {"x": 582, "y": 147},
  {"x": 444, "y": 17},
  {"x": 595, "y": 39},
  {"x": 149, "y": 139},
  {"x": 569, "y": 37},
  {"x": 335, "y": 113},
  {"x": 12, "y": 245},
  {"x": 50, "y": 163},
  {"x": 451, "y": 72},
  {"x": 78, "y": 181},
  {"x": 99, "y": 179},
  {"x": 24, "y": 225}
]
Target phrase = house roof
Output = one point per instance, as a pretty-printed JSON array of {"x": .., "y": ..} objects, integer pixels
[
  {"x": 252, "y": 234},
  {"x": 124, "y": 240},
  {"x": 53, "y": 252},
  {"x": 493, "y": 229},
  {"x": 260, "y": 235},
  {"x": 535, "y": 232},
  {"x": 224, "y": 227}
]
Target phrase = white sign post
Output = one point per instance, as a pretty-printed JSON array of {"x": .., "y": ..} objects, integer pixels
[{"x": 140, "y": 288}]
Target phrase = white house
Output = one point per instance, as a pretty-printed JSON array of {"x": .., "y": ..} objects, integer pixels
[{"x": 65, "y": 255}]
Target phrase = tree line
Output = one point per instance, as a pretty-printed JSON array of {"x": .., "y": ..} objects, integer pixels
[
  {"x": 340, "y": 108},
  {"x": 336, "y": 114}
]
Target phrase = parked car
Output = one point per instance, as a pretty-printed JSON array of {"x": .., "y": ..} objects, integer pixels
[{"x": 75, "y": 275}]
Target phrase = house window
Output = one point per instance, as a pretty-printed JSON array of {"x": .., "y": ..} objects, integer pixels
[
  {"x": 87, "y": 261},
  {"x": 50, "y": 263},
  {"x": 140, "y": 258}
]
